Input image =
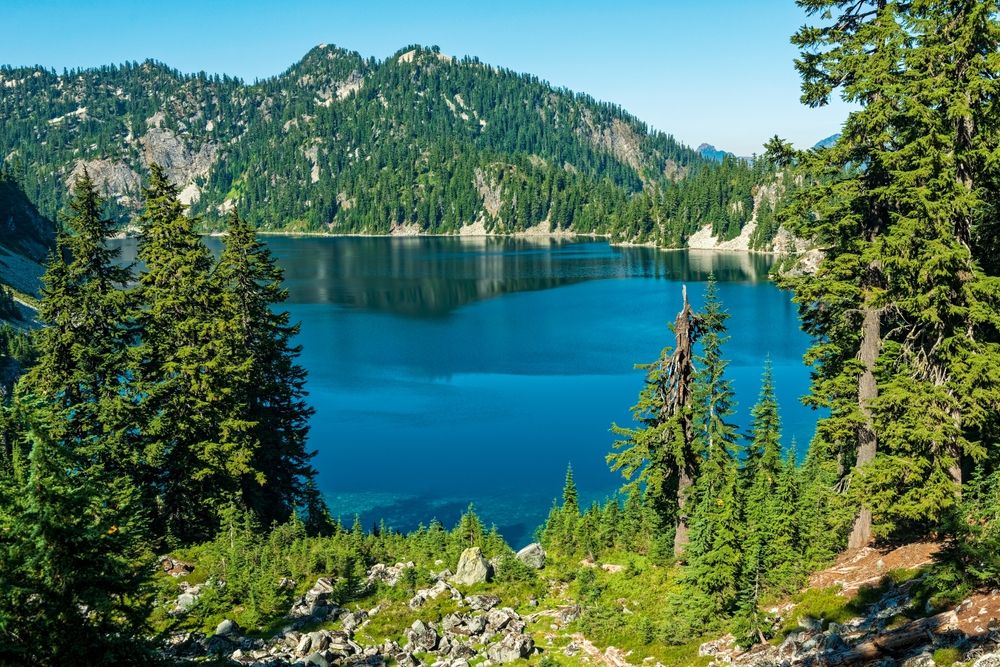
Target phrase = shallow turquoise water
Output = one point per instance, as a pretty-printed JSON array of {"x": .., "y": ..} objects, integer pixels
[{"x": 446, "y": 371}]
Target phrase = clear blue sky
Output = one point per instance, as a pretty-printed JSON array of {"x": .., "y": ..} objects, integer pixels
[{"x": 716, "y": 71}]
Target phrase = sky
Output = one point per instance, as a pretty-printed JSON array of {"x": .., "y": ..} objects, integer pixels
[{"x": 712, "y": 71}]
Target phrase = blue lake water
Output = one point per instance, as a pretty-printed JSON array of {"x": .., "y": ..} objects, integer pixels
[{"x": 446, "y": 371}]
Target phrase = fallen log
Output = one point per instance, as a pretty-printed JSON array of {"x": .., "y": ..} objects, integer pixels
[{"x": 885, "y": 645}]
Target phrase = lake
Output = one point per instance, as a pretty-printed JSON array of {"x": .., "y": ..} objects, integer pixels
[{"x": 449, "y": 370}]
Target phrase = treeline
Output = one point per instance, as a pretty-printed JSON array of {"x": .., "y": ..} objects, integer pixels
[
  {"x": 745, "y": 523},
  {"x": 421, "y": 140},
  {"x": 158, "y": 404}
]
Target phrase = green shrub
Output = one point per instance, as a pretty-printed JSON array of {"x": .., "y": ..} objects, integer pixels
[{"x": 945, "y": 657}]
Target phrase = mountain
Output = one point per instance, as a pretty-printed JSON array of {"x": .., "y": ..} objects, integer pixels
[
  {"x": 419, "y": 142},
  {"x": 26, "y": 238},
  {"x": 710, "y": 152},
  {"x": 829, "y": 141}
]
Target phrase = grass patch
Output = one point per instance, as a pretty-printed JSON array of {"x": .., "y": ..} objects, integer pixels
[
  {"x": 825, "y": 605},
  {"x": 395, "y": 617}
]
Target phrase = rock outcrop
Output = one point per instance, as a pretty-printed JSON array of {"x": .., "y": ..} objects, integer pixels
[
  {"x": 498, "y": 635},
  {"x": 532, "y": 555},
  {"x": 472, "y": 568}
]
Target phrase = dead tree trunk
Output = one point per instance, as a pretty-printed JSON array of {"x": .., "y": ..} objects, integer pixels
[{"x": 681, "y": 376}]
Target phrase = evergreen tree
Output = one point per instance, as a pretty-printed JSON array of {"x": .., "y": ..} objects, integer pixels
[
  {"x": 907, "y": 354},
  {"x": 659, "y": 458},
  {"x": 762, "y": 471},
  {"x": 784, "y": 560},
  {"x": 765, "y": 555},
  {"x": 469, "y": 531},
  {"x": 270, "y": 387},
  {"x": 73, "y": 560},
  {"x": 195, "y": 429},
  {"x": 82, "y": 367},
  {"x": 571, "y": 502},
  {"x": 714, "y": 555}
]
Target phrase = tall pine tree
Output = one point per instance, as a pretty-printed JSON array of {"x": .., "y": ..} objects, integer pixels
[
  {"x": 903, "y": 310},
  {"x": 195, "y": 429},
  {"x": 270, "y": 390},
  {"x": 83, "y": 361},
  {"x": 713, "y": 556}
]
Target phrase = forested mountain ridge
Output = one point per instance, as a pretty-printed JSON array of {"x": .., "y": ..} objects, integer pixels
[
  {"x": 26, "y": 237},
  {"x": 419, "y": 142}
]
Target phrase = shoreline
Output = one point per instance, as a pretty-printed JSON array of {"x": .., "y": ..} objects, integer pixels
[
  {"x": 567, "y": 236},
  {"x": 520, "y": 235}
]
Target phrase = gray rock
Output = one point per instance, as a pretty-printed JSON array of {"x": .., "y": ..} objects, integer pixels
[
  {"x": 810, "y": 624},
  {"x": 316, "y": 603},
  {"x": 404, "y": 659},
  {"x": 422, "y": 637},
  {"x": 463, "y": 624},
  {"x": 482, "y": 602},
  {"x": 388, "y": 574},
  {"x": 834, "y": 643},
  {"x": 569, "y": 613},
  {"x": 472, "y": 568},
  {"x": 512, "y": 647},
  {"x": 185, "y": 644},
  {"x": 439, "y": 588},
  {"x": 501, "y": 619},
  {"x": 987, "y": 660},
  {"x": 340, "y": 644},
  {"x": 217, "y": 645},
  {"x": 227, "y": 628},
  {"x": 532, "y": 555},
  {"x": 316, "y": 659},
  {"x": 923, "y": 660},
  {"x": 352, "y": 620},
  {"x": 185, "y": 601},
  {"x": 319, "y": 641},
  {"x": 304, "y": 645}
]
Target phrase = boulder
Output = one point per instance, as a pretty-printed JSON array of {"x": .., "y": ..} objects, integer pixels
[
  {"x": 466, "y": 625},
  {"x": 217, "y": 645},
  {"x": 503, "y": 619},
  {"x": 404, "y": 659},
  {"x": 184, "y": 602},
  {"x": 227, "y": 628},
  {"x": 532, "y": 555},
  {"x": 472, "y": 568},
  {"x": 388, "y": 574},
  {"x": 512, "y": 647},
  {"x": 439, "y": 588},
  {"x": 461, "y": 650},
  {"x": 422, "y": 637},
  {"x": 482, "y": 602},
  {"x": 924, "y": 659},
  {"x": 185, "y": 645},
  {"x": 569, "y": 613},
  {"x": 352, "y": 620},
  {"x": 316, "y": 659},
  {"x": 340, "y": 644},
  {"x": 316, "y": 603}
]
